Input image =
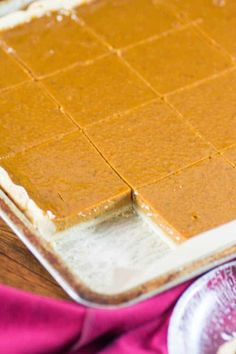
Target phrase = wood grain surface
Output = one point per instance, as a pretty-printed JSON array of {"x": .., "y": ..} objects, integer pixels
[{"x": 20, "y": 269}]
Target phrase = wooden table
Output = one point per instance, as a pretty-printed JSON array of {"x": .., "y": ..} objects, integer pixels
[{"x": 19, "y": 268}]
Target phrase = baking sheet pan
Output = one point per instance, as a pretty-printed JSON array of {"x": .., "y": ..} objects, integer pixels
[{"x": 138, "y": 274}]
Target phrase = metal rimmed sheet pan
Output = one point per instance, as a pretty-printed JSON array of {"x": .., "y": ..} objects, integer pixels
[{"x": 164, "y": 267}]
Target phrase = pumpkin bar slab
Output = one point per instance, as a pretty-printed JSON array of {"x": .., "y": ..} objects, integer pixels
[
  {"x": 148, "y": 143},
  {"x": 62, "y": 182},
  {"x": 58, "y": 41},
  {"x": 29, "y": 117},
  {"x": 192, "y": 201}
]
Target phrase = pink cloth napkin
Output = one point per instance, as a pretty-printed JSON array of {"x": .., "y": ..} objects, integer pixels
[{"x": 31, "y": 324}]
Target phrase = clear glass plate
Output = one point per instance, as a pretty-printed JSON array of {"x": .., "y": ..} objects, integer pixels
[{"x": 205, "y": 315}]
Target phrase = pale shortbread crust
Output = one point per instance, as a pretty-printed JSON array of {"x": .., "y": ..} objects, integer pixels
[{"x": 42, "y": 221}]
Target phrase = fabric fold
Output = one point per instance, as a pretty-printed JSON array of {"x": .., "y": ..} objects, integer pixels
[{"x": 32, "y": 324}]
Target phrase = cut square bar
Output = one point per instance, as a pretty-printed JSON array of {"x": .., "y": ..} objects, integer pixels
[
  {"x": 188, "y": 203},
  {"x": 29, "y": 117},
  {"x": 97, "y": 91},
  {"x": 63, "y": 182},
  {"x": 58, "y": 41},
  {"x": 148, "y": 143},
  {"x": 177, "y": 60},
  {"x": 210, "y": 107}
]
